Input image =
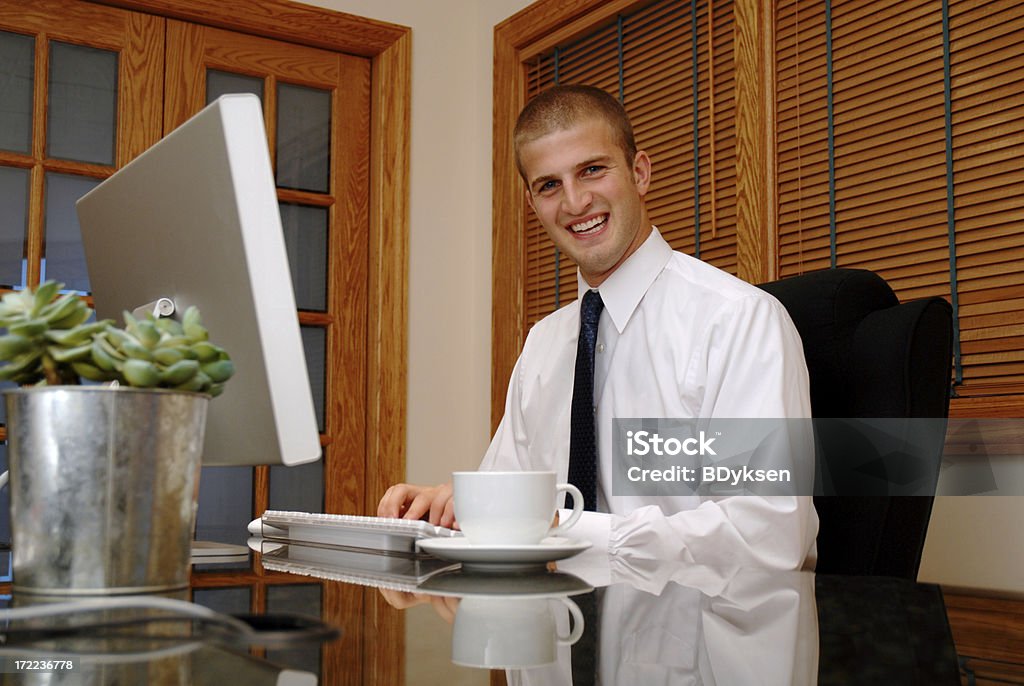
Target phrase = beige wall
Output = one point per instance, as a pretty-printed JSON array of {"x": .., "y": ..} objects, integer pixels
[
  {"x": 450, "y": 255},
  {"x": 450, "y": 226},
  {"x": 975, "y": 543}
]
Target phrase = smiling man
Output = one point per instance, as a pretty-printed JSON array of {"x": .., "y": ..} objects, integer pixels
[{"x": 675, "y": 338}]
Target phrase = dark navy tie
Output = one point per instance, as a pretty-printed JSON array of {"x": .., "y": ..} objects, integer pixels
[{"x": 582, "y": 434}]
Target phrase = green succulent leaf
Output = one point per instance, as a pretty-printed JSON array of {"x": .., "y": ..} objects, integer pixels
[
  {"x": 134, "y": 349},
  {"x": 168, "y": 356},
  {"x": 44, "y": 295},
  {"x": 147, "y": 333},
  {"x": 179, "y": 372},
  {"x": 140, "y": 373},
  {"x": 219, "y": 371},
  {"x": 206, "y": 351},
  {"x": 169, "y": 327},
  {"x": 13, "y": 345},
  {"x": 78, "y": 335},
  {"x": 23, "y": 364},
  {"x": 60, "y": 308},
  {"x": 30, "y": 327},
  {"x": 104, "y": 356},
  {"x": 64, "y": 355},
  {"x": 90, "y": 372}
]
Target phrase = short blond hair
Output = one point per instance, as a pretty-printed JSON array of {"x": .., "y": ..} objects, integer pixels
[{"x": 562, "y": 107}]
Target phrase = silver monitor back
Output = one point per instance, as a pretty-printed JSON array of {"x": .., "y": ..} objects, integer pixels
[{"x": 195, "y": 219}]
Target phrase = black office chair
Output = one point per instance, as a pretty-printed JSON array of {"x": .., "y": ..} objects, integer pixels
[{"x": 870, "y": 357}]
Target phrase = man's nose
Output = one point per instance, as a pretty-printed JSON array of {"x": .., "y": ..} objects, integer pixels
[{"x": 575, "y": 198}]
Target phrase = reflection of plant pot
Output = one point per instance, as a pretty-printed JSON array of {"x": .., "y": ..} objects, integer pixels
[{"x": 103, "y": 486}]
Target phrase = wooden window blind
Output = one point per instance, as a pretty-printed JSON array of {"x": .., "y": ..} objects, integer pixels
[
  {"x": 660, "y": 63},
  {"x": 899, "y": 148}
]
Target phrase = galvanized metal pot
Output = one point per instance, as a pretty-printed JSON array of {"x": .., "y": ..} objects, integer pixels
[{"x": 103, "y": 486}]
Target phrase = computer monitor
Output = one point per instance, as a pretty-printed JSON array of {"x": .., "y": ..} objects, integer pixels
[{"x": 195, "y": 219}]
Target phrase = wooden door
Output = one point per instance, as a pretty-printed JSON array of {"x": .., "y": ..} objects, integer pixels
[{"x": 316, "y": 106}]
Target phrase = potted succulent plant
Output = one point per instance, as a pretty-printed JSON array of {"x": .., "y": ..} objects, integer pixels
[{"x": 103, "y": 475}]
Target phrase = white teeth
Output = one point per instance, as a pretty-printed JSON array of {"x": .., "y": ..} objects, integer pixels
[{"x": 586, "y": 226}]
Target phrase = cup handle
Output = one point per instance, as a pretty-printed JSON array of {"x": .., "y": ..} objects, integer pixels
[
  {"x": 577, "y": 623},
  {"x": 577, "y": 508}
]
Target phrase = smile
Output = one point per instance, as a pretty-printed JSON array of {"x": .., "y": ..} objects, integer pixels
[{"x": 590, "y": 226}]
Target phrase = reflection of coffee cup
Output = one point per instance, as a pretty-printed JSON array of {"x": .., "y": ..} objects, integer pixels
[
  {"x": 510, "y": 508},
  {"x": 511, "y": 632}
]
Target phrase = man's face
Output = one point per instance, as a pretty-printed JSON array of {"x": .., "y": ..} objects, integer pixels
[{"x": 588, "y": 196}]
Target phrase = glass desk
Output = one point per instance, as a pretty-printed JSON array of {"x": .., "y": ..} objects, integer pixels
[{"x": 641, "y": 622}]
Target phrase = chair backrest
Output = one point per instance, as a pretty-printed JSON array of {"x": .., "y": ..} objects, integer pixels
[{"x": 871, "y": 357}]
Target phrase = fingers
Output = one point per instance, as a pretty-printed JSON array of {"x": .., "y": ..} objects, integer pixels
[
  {"x": 403, "y": 600},
  {"x": 418, "y": 502},
  {"x": 448, "y": 515},
  {"x": 396, "y": 499},
  {"x": 419, "y": 506},
  {"x": 441, "y": 510}
]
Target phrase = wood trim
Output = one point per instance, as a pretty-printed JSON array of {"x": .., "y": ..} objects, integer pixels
[
  {"x": 387, "y": 328},
  {"x": 508, "y": 263},
  {"x": 282, "y": 20},
  {"x": 755, "y": 113},
  {"x": 987, "y": 628}
]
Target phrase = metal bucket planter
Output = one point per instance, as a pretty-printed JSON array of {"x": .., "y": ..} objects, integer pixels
[{"x": 103, "y": 488}]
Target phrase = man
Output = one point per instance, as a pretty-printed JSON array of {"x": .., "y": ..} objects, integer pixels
[{"x": 676, "y": 338}]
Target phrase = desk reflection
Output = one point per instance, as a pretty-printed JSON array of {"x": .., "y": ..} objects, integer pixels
[{"x": 589, "y": 621}]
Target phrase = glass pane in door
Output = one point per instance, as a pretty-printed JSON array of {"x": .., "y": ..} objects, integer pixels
[
  {"x": 64, "y": 256},
  {"x": 232, "y": 600},
  {"x": 220, "y": 83},
  {"x": 17, "y": 65},
  {"x": 299, "y": 488},
  {"x": 303, "y": 138},
  {"x": 225, "y": 505},
  {"x": 314, "y": 345},
  {"x": 305, "y": 237},
  {"x": 13, "y": 224},
  {"x": 82, "y": 110}
]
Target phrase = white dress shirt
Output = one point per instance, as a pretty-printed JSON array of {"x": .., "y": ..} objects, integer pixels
[
  {"x": 699, "y": 626},
  {"x": 678, "y": 338}
]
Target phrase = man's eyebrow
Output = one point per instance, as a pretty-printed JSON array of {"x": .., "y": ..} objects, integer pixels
[{"x": 600, "y": 159}]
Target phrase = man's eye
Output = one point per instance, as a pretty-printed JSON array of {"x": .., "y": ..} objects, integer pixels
[
  {"x": 593, "y": 169},
  {"x": 547, "y": 187}
]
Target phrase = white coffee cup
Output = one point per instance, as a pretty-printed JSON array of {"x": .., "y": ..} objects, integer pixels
[
  {"x": 512, "y": 632},
  {"x": 510, "y": 508}
]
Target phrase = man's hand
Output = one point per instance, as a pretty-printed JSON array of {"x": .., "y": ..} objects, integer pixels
[
  {"x": 445, "y": 606},
  {"x": 433, "y": 503}
]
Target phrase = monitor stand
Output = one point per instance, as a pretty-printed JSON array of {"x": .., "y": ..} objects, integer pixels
[{"x": 209, "y": 552}]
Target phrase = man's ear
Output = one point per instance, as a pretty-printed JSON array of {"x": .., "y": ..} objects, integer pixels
[{"x": 642, "y": 172}]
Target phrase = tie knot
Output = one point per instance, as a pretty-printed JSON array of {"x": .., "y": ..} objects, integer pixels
[{"x": 590, "y": 308}]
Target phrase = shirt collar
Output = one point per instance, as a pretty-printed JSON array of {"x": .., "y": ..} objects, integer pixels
[{"x": 624, "y": 288}]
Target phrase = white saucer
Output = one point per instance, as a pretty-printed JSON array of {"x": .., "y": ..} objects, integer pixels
[{"x": 503, "y": 557}]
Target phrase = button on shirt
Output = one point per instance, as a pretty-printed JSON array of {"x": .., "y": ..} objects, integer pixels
[{"x": 678, "y": 338}]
